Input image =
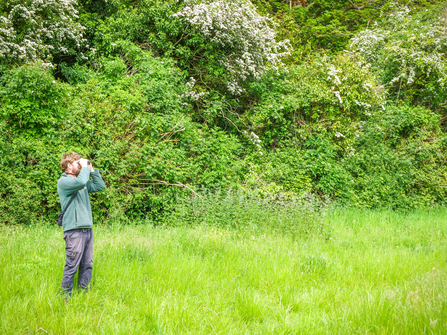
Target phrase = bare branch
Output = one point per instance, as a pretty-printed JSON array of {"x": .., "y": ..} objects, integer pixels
[
  {"x": 353, "y": 6},
  {"x": 162, "y": 182},
  {"x": 171, "y": 132}
]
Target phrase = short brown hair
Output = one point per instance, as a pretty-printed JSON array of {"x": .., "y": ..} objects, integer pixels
[{"x": 69, "y": 158}]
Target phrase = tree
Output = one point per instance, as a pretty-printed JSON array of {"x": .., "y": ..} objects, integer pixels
[
  {"x": 34, "y": 29},
  {"x": 410, "y": 57},
  {"x": 244, "y": 41}
]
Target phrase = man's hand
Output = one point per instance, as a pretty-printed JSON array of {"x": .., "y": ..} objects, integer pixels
[{"x": 91, "y": 167}]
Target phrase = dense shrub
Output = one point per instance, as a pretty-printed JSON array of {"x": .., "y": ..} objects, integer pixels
[
  {"x": 325, "y": 95},
  {"x": 395, "y": 160},
  {"x": 398, "y": 160},
  {"x": 31, "y": 100},
  {"x": 329, "y": 24}
]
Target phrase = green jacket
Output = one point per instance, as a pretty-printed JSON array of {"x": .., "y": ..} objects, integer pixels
[{"x": 79, "y": 214}]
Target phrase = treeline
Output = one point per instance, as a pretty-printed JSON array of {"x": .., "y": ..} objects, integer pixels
[{"x": 345, "y": 100}]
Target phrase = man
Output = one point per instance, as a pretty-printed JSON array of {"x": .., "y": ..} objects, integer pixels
[{"x": 77, "y": 221}]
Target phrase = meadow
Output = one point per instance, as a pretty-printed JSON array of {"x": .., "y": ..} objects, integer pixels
[{"x": 367, "y": 272}]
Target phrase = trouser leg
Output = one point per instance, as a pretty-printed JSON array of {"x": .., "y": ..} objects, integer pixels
[
  {"x": 74, "y": 251},
  {"x": 86, "y": 265}
]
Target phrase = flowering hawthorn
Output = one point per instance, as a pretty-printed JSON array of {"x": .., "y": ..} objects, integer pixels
[
  {"x": 410, "y": 57},
  {"x": 246, "y": 39},
  {"x": 31, "y": 29}
]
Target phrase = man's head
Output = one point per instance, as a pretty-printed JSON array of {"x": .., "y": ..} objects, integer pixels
[{"x": 69, "y": 163}]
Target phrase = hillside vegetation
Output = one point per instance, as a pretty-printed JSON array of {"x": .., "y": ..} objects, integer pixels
[{"x": 342, "y": 101}]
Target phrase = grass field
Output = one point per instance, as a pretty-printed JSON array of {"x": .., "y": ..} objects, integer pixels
[{"x": 369, "y": 273}]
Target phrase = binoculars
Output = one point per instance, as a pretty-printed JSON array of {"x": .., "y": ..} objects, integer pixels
[{"x": 88, "y": 162}]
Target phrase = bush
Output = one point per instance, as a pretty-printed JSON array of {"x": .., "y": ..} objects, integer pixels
[
  {"x": 31, "y": 100},
  {"x": 327, "y": 95},
  {"x": 409, "y": 55},
  {"x": 163, "y": 124},
  {"x": 32, "y": 30},
  {"x": 397, "y": 161}
]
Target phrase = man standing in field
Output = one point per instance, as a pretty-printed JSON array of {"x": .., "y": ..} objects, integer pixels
[{"x": 77, "y": 221}]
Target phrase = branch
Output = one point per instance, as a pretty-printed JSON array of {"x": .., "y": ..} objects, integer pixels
[
  {"x": 223, "y": 115},
  {"x": 183, "y": 35},
  {"x": 353, "y": 6},
  {"x": 336, "y": 34},
  {"x": 432, "y": 185},
  {"x": 171, "y": 132},
  {"x": 162, "y": 182}
]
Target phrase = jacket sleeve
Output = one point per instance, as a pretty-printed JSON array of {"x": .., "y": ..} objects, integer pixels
[
  {"x": 71, "y": 185},
  {"x": 96, "y": 184}
]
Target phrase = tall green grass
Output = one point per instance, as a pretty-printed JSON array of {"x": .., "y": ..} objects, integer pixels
[
  {"x": 370, "y": 272},
  {"x": 294, "y": 216}
]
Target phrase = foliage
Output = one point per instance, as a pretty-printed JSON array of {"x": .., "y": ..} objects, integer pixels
[
  {"x": 248, "y": 41},
  {"x": 409, "y": 56},
  {"x": 221, "y": 43},
  {"x": 364, "y": 153},
  {"x": 329, "y": 24},
  {"x": 34, "y": 29},
  {"x": 147, "y": 148},
  {"x": 324, "y": 95},
  {"x": 398, "y": 161},
  {"x": 394, "y": 159},
  {"x": 31, "y": 100}
]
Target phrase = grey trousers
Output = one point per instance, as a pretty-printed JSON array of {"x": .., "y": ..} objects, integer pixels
[{"x": 79, "y": 254}]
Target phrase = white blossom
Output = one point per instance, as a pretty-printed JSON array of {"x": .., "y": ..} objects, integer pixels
[
  {"x": 364, "y": 104},
  {"x": 191, "y": 93},
  {"x": 416, "y": 50},
  {"x": 337, "y": 94},
  {"x": 333, "y": 73},
  {"x": 248, "y": 37},
  {"x": 255, "y": 140},
  {"x": 49, "y": 25}
]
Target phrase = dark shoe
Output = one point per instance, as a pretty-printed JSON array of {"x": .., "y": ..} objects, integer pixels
[
  {"x": 65, "y": 294},
  {"x": 84, "y": 290}
]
